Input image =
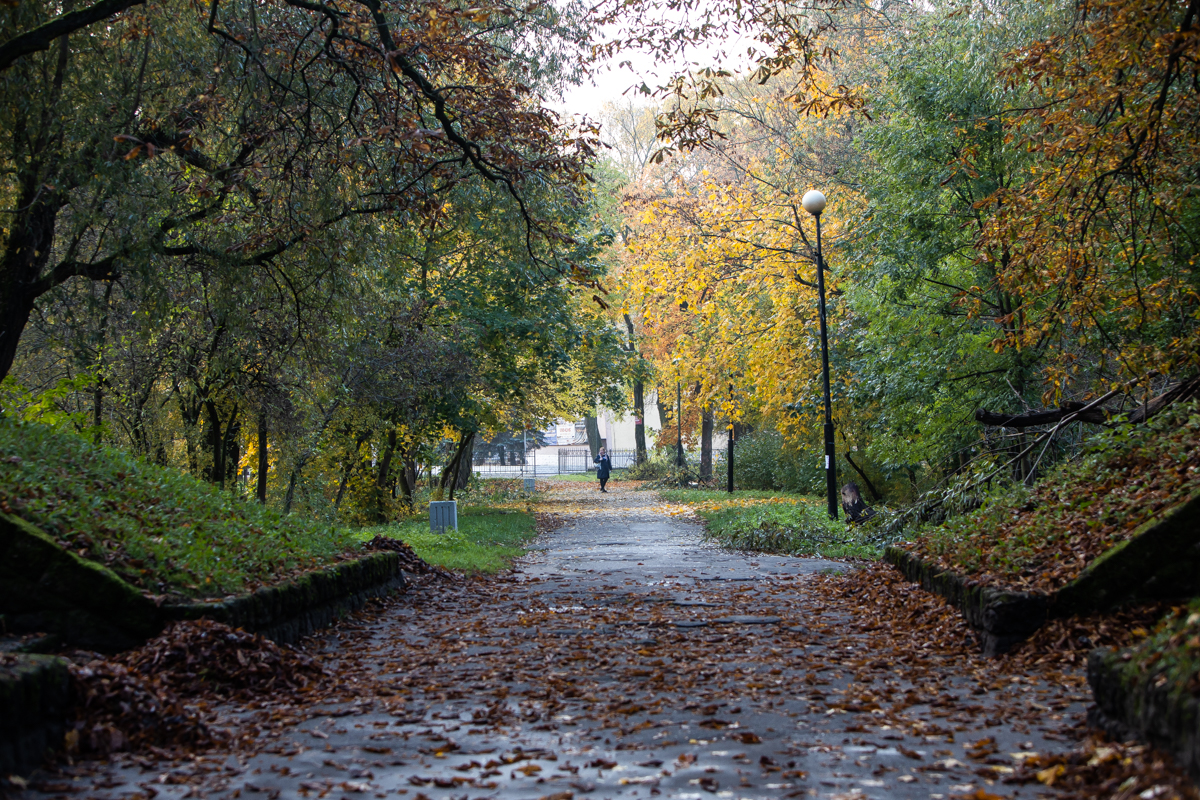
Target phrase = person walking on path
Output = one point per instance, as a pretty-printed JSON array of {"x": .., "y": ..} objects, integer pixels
[{"x": 602, "y": 472}]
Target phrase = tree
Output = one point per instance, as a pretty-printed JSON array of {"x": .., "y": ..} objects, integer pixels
[
  {"x": 1100, "y": 242},
  {"x": 236, "y": 137}
]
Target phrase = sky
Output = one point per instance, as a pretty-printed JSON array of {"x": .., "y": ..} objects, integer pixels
[{"x": 613, "y": 83}]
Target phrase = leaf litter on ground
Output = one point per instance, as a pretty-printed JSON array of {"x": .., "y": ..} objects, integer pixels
[
  {"x": 1042, "y": 538},
  {"x": 891, "y": 659}
]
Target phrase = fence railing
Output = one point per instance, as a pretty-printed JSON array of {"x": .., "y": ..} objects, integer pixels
[{"x": 567, "y": 461}]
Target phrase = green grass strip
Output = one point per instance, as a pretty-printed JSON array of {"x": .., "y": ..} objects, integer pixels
[{"x": 487, "y": 539}]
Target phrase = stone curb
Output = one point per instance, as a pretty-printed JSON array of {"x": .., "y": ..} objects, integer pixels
[
  {"x": 1003, "y": 619},
  {"x": 293, "y": 609},
  {"x": 1167, "y": 716},
  {"x": 1160, "y": 560},
  {"x": 34, "y": 696},
  {"x": 46, "y": 588}
]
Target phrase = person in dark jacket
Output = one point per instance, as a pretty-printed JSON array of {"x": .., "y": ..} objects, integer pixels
[{"x": 604, "y": 468}]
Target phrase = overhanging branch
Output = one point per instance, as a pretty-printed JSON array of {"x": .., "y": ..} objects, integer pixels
[{"x": 41, "y": 37}]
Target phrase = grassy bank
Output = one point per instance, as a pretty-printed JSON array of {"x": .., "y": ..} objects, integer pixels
[
  {"x": 487, "y": 539},
  {"x": 772, "y": 522},
  {"x": 1042, "y": 538},
  {"x": 162, "y": 531}
]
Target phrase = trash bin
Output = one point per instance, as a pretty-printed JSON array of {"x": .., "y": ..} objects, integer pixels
[
  {"x": 443, "y": 516},
  {"x": 529, "y": 484}
]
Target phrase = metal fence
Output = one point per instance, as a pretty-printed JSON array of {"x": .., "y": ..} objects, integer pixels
[
  {"x": 567, "y": 460},
  {"x": 580, "y": 459}
]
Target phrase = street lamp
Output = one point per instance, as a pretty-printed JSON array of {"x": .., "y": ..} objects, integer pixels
[
  {"x": 678, "y": 416},
  {"x": 729, "y": 445},
  {"x": 814, "y": 203}
]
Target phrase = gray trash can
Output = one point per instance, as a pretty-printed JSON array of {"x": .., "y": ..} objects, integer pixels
[{"x": 443, "y": 516}]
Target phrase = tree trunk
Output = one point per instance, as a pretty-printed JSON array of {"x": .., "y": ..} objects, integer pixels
[
  {"x": 450, "y": 472},
  {"x": 706, "y": 434},
  {"x": 407, "y": 486},
  {"x": 351, "y": 463},
  {"x": 385, "y": 464},
  {"x": 291, "y": 490},
  {"x": 875, "y": 496},
  {"x": 666, "y": 417},
  {"x": 263, "y": 462},
  {"x": 639, "y": 399},
  {"x": 593, "y": 435},
  {"x": 465, "y": 463},
  {"x": 639, "y": 421},
  {"x": 233, "y": 447},
  {"x": 382, "y": 479},
  {"x": 98, "y": 394},
  {"x": 214, "y": 471},
  {"x": 190, "y": 410}
]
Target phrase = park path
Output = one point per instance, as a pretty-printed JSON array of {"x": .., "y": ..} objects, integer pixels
[{"x": 626, "y": 658}]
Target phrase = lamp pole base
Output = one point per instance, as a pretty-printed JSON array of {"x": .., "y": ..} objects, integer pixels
[{"x": 831, "y": 471}]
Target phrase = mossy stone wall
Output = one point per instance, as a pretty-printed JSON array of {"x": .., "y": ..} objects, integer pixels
[
  {"x": 34, "y": 696},
  {"x": 287, "y": 611},
  {"x": 46, "y": 588},
  {"x": 1003, "y": 619},
  {"x": 1161, "y": 560},
  {"x": 1131, "y": 705}
]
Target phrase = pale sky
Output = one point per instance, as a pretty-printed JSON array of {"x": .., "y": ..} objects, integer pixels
[{"x": 611, "y": 83}]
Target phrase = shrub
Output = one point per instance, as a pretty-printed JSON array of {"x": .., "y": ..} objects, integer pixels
[{"x": 762, "y": 460}]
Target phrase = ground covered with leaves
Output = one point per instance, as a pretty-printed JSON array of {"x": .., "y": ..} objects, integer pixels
[
  {"x": 850, "y": 686},
  {"x": 867, "y": 686},
  {"x": 1169, "y": 653},
  {"x": 163, "y": 532},
  {"x": 1043, "y": 538}
]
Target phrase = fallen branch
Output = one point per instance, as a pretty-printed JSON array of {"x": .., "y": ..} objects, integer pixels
[
  {"x": 1079, "y": 412},
  {"x": 1045, "y": 417}
]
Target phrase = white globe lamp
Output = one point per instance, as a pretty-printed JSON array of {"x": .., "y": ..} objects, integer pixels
[{"x": 813, "y": 202}]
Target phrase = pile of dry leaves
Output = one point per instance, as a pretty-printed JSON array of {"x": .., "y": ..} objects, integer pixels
[
  {"x": 160, "y": 694},
  {"x": 1100, "y": 768},
  {"x": 409, "y": 559}
]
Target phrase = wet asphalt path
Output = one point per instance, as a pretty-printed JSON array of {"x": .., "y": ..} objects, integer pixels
[{"x": 624, "y": 658}]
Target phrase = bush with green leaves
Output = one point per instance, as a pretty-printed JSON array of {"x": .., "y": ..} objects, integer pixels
[
  {"x": 786, "y": 524},
  {"x": 763, "y": 460}
]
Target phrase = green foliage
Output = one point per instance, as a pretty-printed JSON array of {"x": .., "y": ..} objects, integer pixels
[
  {"x": 487, "y": 539},
  {"x": 802, "y": 528},
  {"x": 44, "y": 408},
  {"x": 717, "y": 495},
  {"x": 658, "y": 466},
  {"x": 765, "y": 460},
  {"x": 161, "y": 531}
]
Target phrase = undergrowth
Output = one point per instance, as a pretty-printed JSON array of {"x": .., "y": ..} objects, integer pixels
[
  {"x": 162, "y": 531},
  {"x": 1170, "y": 654},
  {"x": 1043, "y": 537},
  {"x": 774, "y": 522}
]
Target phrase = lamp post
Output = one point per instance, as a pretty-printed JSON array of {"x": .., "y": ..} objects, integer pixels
[
  {"x": 679, "y": 461},
  {"x": 814, "y": 203},
  {"x": 678, "y": 422},
  {"x": 729, "y": 446}
]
